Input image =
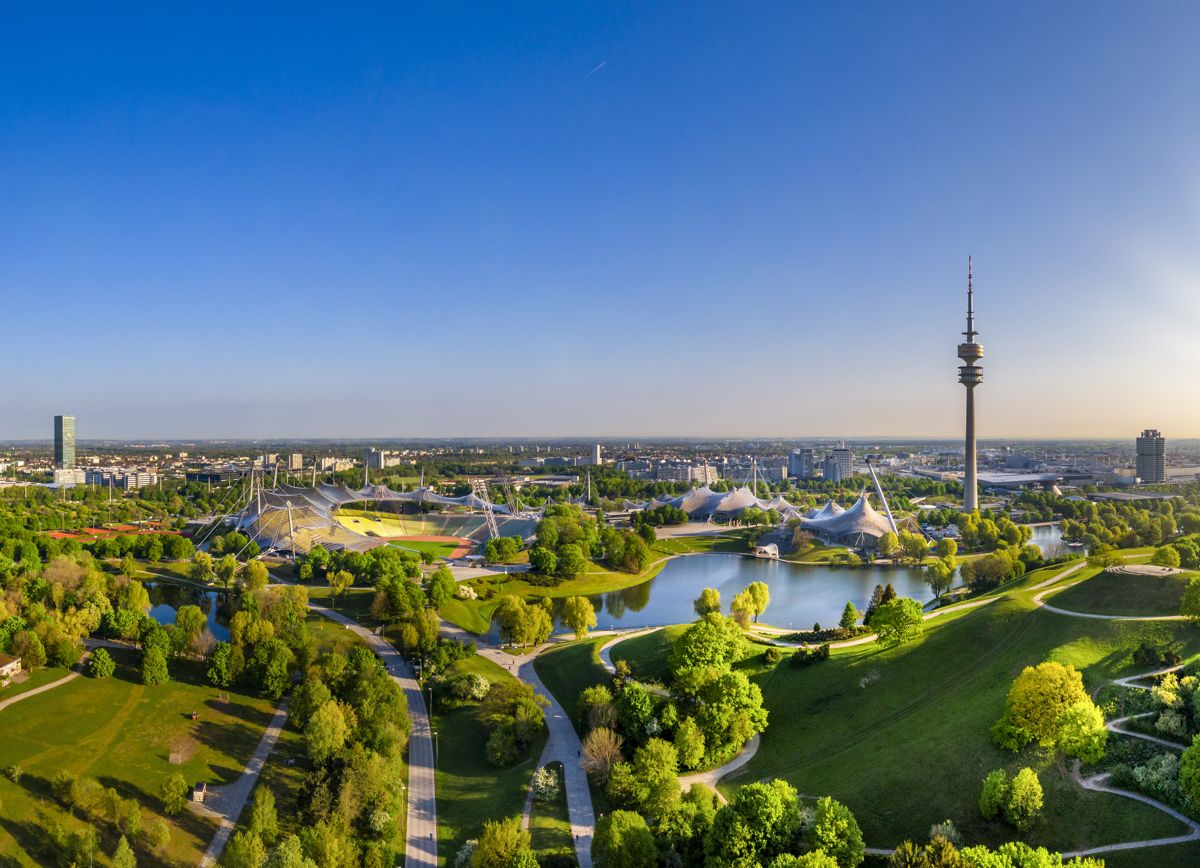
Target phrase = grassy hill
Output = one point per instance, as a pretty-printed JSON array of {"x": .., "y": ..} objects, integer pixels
[{"x": 1121, "y": 594}]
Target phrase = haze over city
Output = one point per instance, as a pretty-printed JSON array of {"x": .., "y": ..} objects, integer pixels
[{"x": 582, "y": 220}]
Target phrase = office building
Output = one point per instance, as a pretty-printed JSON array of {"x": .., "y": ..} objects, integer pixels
[
  {"x": 296, "y": 461},
  {"x": 120, "y": 477},
  {"x": 836, "y": 467},
  {"x": 597, "y": 455},
  {"x": 802, "y": 464},
  {"x": 64, "y": 442},
  {"x": 1151, "y": 456}
]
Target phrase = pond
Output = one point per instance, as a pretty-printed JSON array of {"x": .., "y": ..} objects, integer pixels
[
  {"x": 801, "y": 594},
  {"x": 166, "y": 598}
]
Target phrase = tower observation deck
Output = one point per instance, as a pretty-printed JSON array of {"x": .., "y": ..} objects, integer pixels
[{"x": 970, "y": 374}]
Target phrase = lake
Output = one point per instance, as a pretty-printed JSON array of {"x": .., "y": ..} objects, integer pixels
[
  {"x": 801, "y": 594},
  {"x": 167, "y": 598}
]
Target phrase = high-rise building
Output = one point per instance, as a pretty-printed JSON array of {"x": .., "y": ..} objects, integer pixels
[
  {"x": 296, "y": 461},
  {"x": 836, "y": 465},
  {"x": 970, "y": 375},
  {"x": 802, "y": 463},
  {"x": 1151, "y": 456},
  {"x": 64, "y": 442},
  {"x": 597, "y": 455}
]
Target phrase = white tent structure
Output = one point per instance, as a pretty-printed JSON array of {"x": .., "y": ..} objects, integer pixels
[{"x": 859, "y": 526}]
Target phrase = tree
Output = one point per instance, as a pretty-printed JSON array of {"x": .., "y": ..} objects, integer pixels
[
  {"x": 225, "y": 570},
  {"x": 850, "y": 616},
  {"x": 174, "y": 794},
  {"x": 742, "y": 609},
  {"x": 128, "y": 565},
  {"x": 264, "y": 822},
  {"x": 1036, "y": 702},
  {"x": 649, "y": 784},
  {"x": 762, "y": 821},
  {"x": 271, "y": 667},
  {"x": 100, "y": 664},
  {"x": 579, "y": 614},
  {"x": 601, "y": 751},
  {"x": 326, "y": 732},
  {"x": 898, "y": 621},
  {"x": 154, "y": 667},
  {"x": 1024, "y": 799},
  {"x": 940, "y": 576},
  {"x": 220, "y": 672},
  {"x": 689, "y": 744},
  {"x": 543, "y": 560},
  {"x": 571, "y": 561},
  {"x": 836, "y": 833},
  {"x": 915, "y": 548},
  {"x": 190, "y": 621},
  {"x": 1165, "y": 557},
  {"x": 1081, "y": 732},
  {"x": 503, "y": 844},
  {"x": 708, "y": 601},
  {"x": 339, "y": 581},
  {"x": 201, "y": 569},
  {"x": 1189, "y": 772},
  {"x": 244, "y": 850},
  {"x": 623, "y": 840},
  {"x": 26, "y": 645},
  {"x": 255, "y": 576},
  {"x": 123, "y": 856},
  {"x": 946, "y": 549},
  {"x": 158, "y": 834},
  {"x": 440, "y": 587},
  {"x": 1189, "y": 606},
  {"x": 995, "y": 794},
  {"x": 888, "y": 545},
  {"x": 711, "y": 641},
  {"x": 760, "y": 594}
]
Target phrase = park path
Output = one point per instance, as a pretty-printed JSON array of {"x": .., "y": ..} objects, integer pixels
[
  {"x": 562, "y": 741},
  {"x": 421, "y": 847},
  {"x": 76, "y": 671},
  {"x": 225, "y": 804}
]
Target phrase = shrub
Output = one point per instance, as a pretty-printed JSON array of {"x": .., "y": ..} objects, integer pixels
[
  {"x": 805, "y": 656},
  {"x": 502, "y": 746},
  {"x": 545, "y": 784},
  {"x": 101, "y": 664},
  {"x": 946, "y": 829},
  {"x": 1024, "y": 799},
  {"x": 994, "y": 795},
  {"x": 1159, "y": 777},
  {"x": 772, "y": 656}
]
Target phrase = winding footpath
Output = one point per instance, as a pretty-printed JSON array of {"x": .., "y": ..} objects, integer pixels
[
  {"x": 76, "y": 671},
  {"x": 421, "y": 847},
  {"x": 1098, "y": 782}
]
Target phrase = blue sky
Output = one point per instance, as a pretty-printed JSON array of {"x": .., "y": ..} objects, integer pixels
[{"x": 586, "y": 219}]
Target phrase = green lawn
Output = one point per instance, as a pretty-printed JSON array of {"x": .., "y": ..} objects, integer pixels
[
  {"x": 550, "y": 826},
  {"x": 1120, "y": 594},
  {"x": 735, "y": 540},
  {"x": 122, "y": 733},
  {"x": 647, "y": 654},
  {"x": 355, "y": 603},
  {"x": 902, "y": 736},
  {"x": 469, "y": 789},
  {"x": 437, "y": 549}
]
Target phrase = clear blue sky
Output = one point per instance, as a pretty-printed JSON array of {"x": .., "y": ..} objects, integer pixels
[{"x": 575, "y": 218}]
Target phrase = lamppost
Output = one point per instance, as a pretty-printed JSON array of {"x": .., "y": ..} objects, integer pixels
[{"x": 435, "y": 748}]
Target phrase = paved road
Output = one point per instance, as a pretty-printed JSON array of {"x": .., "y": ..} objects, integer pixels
[
  {"x": 225, "y": 804},
  {"x": 421, "y": 849}
]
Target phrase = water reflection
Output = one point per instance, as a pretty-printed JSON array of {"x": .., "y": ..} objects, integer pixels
[{"x": 167, "y": 598}]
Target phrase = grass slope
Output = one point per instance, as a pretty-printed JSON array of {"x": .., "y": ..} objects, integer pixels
[
  {"x": 550, "y": 826},
  {"x": 902, "y": 736},
  {"x": 1119, "y": 594},
  {"x": 568, "y": 670},
  {"x": 121, "y": 732}
]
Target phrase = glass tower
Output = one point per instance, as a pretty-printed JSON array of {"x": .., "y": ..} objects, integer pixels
[{"x": 64, "y": 442}]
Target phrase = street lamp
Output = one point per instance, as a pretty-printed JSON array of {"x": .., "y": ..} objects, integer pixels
[{"x": 435, "y": 748}]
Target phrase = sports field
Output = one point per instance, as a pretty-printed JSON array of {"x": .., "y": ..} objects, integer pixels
[{"x": 414, "y": 533}]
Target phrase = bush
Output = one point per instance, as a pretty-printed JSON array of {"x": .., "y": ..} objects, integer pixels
[
  {"x": 545, "y": 784},
  {"x": 994, "y": 795},
  {"x": 805, "y": 656},
  {"x": 772, "y": 656},
  {"x": 1024, "y": 799},
  {"x": 502, "y": 746},
  {"x": 100, "y": 664}
]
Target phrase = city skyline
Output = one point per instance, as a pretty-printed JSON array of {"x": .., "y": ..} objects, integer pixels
[{"x": 590, "y": 222}]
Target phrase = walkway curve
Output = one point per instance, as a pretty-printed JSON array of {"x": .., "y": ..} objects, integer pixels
[
  {"x": 76, "y": 671},
  {"x": 421, "y": 847},
  {"x": 1038, "y": 600}
]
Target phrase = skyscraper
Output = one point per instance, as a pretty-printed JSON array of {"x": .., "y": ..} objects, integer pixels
[
  {"x": 1151, "y": 456},
  {"x": 597, "y": 455},
  {"x": 64, "y": 442},
  {"x": 970, "y": 375}
]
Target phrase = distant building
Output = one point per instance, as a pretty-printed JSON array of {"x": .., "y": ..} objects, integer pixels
[
  {"x": 378, "y": 459},
  {"x": 212, "y": 475},
  {"x": 333, "y": 464},
  {"x": 120, "y": 477},
  {"x": 802, "y": 464},
  {"x": 68, "y": 476},
  {"x": 64, "y": 442},
  {"x": 296, "y": 461},
  {"x": 10, "y": 667},
  {"x": 836, "y": 466},
  {"x": 1151, "y": 456},
  {"x": 597, "y": 455}
]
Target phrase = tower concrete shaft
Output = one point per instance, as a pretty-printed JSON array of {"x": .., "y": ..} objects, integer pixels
[{"x": 970, "y": 375}]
